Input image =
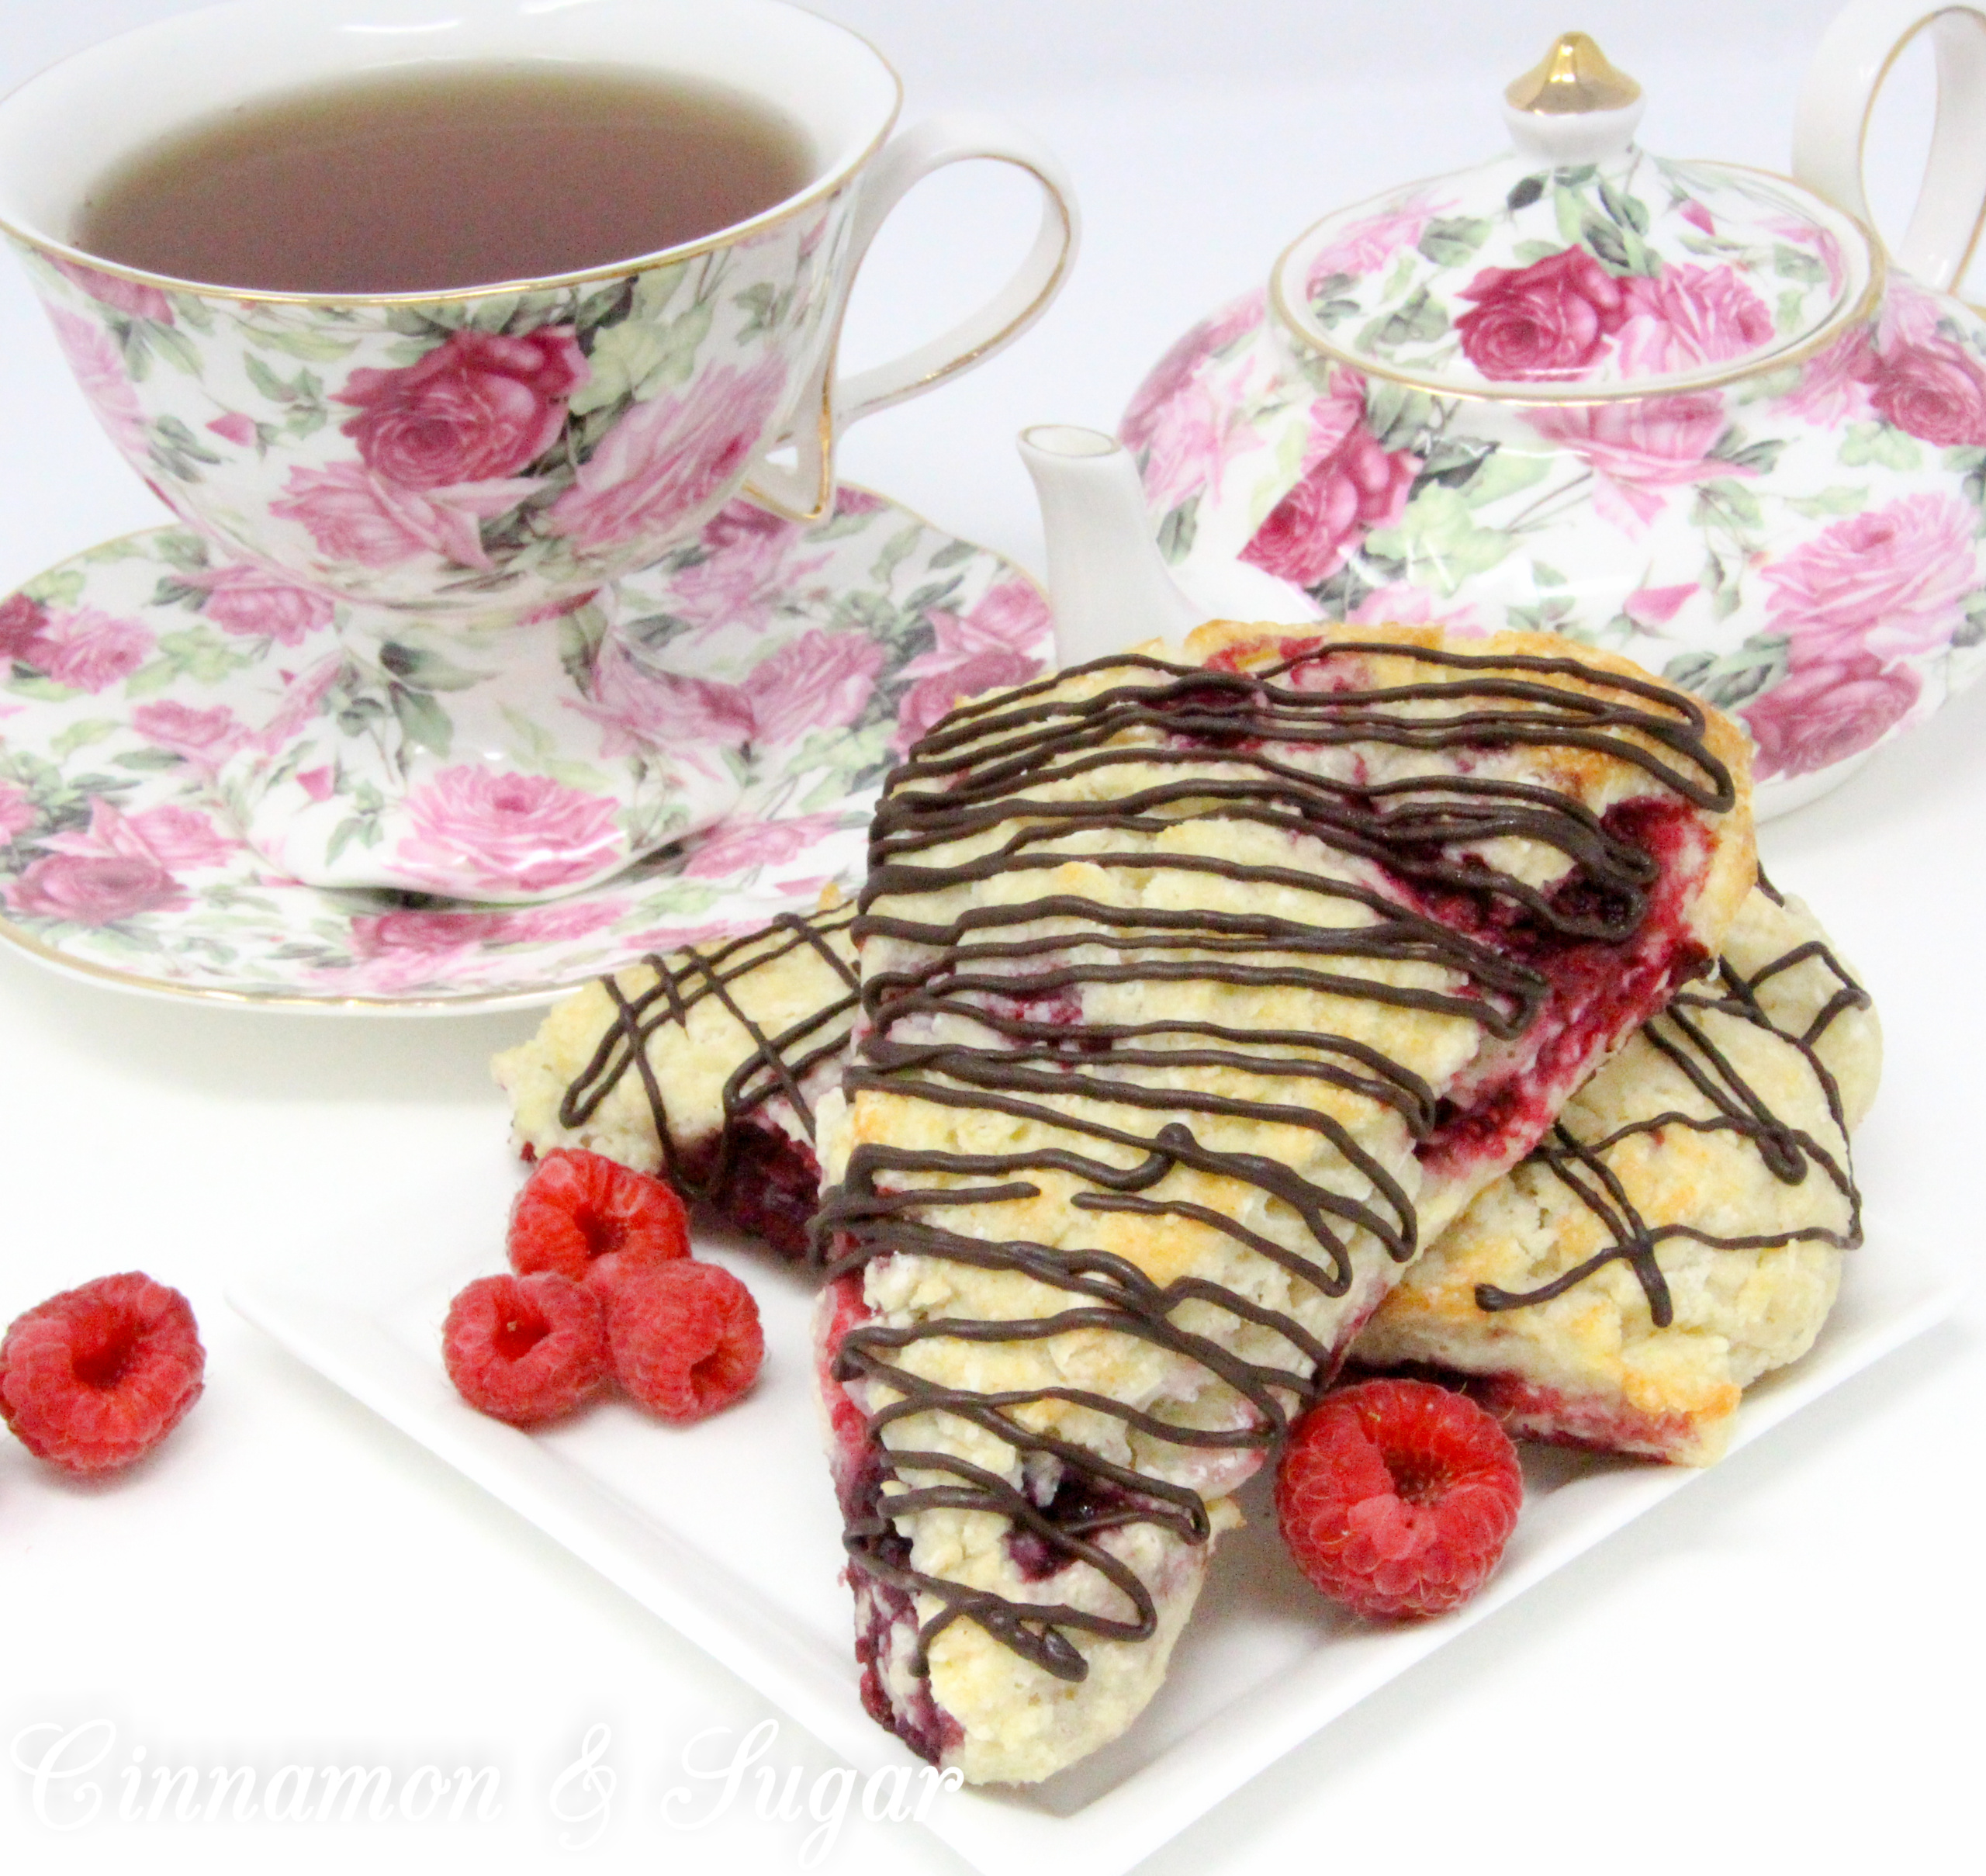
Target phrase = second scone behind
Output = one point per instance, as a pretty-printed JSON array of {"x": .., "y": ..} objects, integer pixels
[{"x": 1679, "y": 1231}]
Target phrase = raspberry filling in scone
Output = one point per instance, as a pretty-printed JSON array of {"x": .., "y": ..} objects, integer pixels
[
  {"x": 1679, "y": 1230},
  {"x": 1193, "y": 999},
  {"x": 704, "y": 1067}
]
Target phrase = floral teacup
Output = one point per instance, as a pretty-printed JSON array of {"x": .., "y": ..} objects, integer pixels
[{"x": 451, "y": 482}]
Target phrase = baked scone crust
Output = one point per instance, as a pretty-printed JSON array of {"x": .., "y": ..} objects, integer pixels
[
  {"x": 1058, "y": 1342},
  {"x": 1587, "y": 774},
  {"x": 703, "y": 1066},
  {"x": 1730, "y": 1220}
]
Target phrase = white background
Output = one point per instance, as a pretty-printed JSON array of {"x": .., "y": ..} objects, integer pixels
[{"x": 1777, "y": 1671}]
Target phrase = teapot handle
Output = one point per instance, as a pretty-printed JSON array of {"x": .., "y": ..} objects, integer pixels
[{"x": 1831, "y": 126}]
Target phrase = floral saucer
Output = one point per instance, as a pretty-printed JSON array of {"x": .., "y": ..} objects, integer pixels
[{"x": 819, "y": 652}]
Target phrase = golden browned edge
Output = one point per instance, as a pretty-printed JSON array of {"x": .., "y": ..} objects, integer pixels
[{"x": 1734, "y": 862}]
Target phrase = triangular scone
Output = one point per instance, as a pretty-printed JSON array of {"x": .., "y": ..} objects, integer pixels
[
  {"x": 1192, "y": 997},
  {"x": 703, "y": 1066},
  {"x": 1679, "y": 1231}
]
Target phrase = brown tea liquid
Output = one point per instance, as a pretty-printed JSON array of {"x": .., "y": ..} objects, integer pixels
[{"x": 444, "y": 176}]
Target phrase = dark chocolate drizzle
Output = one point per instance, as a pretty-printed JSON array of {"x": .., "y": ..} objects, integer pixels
[
  {"x": 777, "y": 1064},
  {"x": 1788, "y": 1153},
  {"x": 1228, "y": 738}
]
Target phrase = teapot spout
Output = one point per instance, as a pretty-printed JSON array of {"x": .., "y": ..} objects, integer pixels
[{"x": 1108, "y": 586}]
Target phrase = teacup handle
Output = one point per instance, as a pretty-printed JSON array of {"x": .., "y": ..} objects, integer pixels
[
  {"x": 804, "y": 490},
  {"x": 1831, "y": 126}
]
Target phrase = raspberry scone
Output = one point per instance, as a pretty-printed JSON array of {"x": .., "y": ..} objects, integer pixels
[
  {"x": 1194, "y": 997},
  {"x": 703, "y": 1066},
  {"x": 1679, "y": 1231}
]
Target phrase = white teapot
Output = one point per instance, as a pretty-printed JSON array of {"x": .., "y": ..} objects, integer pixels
[{"x": 1687, "y": 411}]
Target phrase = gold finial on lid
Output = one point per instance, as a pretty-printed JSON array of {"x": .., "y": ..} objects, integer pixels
[{"x": 1573, "y": 77}]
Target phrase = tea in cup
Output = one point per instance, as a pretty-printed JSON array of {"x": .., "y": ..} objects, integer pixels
[{"x": 643, "y": 219}]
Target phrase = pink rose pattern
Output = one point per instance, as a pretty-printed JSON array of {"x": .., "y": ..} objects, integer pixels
[
  {"x": 670, "y": 457},
  {"x": 85, "y": 650},
  {"x": 206, "y": 738},
  {"x": 100, "y": 370},
  {"x": 1347, "y": 486},
  {"x": 1551, "y": 319},
  {"x": 1832, "y": 390},
  {"x": 1892, "y": 582},
  {"x": 20, "y": 622},
  {"x": 120, "y": 867},
  {"x": 509, "y": 833},
  {"x": 1607, "y": 272},
  {"x": 478, "y": 407},
  {"x": 983, "y": 649},
  {"x": 155, "y": 885},
  {"x": 251, "y": 601},
  {"x": 1364, "y": 246},
  {"x": 94, "y": 891},
  {"x": 353, "y": 513},
  {"x": 17, "y": 812},
  {"x": 1686, "y": 317},
  {"x": 1185, "y": 432},
  {"x": 1640, "y": 448},
  {"x": 1826, "y": 709},
  {"x": 1934, "y": 391},
  {"x": 1184, "y": 362},
  {"x": 1558, "y": 318},
  {"x": 132, "y": 298},
  {"x": 821, "y": 680},
  {"x": 747, "y": 567},
  {"x": 398, "y": 952},
  {"x": 391, "y": 444},
  {"x": 1861, "y": 608},
  {"x": 731, "y": 847},
  {"x": 638, "y": 707},
  {"x": 174, "y": 836}
]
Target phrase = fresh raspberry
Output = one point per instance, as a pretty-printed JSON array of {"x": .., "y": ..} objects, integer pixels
[
  {"x": 526, "y": 1348},
  {"x": 1395, "y": 1497},
  {"x": 96, "y": 1377},
  {"x": 588, "y": 1218},
  {"x": 686, "y": 1338}
]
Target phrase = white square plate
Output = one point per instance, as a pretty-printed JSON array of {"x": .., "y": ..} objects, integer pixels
[{"x": 751, "y": 1577}]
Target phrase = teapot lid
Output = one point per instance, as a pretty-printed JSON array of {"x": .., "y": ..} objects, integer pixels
[{"x": 1577, "y": 267}]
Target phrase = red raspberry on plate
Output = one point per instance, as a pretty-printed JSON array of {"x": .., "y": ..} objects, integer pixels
[
  {"x": 96, "y": 1377},
  {"x": 587, "y": 1218},
  {"x": 525, "y": 1348},
  {"x": 1395, "y": 1497},
  {"x": 686, "y": 1338}
]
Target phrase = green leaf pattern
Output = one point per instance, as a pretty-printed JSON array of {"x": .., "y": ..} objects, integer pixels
[
  {"x": 157, "y": 756},
  {"x": 1400, "y": 302},
  {"x": 1673, "y": 528},
  {"x": 242, "y": 408}
]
